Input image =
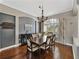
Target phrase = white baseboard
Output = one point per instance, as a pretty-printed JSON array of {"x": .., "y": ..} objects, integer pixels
[
  {"x": 9, "y": 47},
  {"x": 64, "y": 43},
  {"x": 75, "y": 52}
]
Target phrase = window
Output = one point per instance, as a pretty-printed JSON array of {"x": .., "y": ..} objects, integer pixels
[{"x": 51, "y": 25}]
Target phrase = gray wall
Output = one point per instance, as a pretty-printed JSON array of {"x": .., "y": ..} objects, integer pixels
[
  {"x": 7, "y": 36},
  {"x": 26, "y": 20},
  {"x": 70, "y": 26},
  {"x": 70, "y": 29}
]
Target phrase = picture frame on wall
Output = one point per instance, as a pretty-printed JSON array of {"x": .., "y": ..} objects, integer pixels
[
  {"x": 7, "y": 25},
  {"x": 28, "y": 28}
]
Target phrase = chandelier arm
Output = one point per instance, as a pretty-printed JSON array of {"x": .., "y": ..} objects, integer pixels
[{"x": 42, "y": 18}]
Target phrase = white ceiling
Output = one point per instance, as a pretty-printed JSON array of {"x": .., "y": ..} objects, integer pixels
[{"x": 32, "y": 6}]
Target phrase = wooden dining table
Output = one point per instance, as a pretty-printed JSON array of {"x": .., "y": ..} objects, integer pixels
[{"x": 38, "y": 41}]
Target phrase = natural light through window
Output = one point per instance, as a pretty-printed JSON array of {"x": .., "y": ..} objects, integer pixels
[{"x": 51, "y": 25}]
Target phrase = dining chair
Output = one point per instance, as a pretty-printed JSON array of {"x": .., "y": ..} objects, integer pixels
[
  {"x": 52, "y": 42},
  {"x": 34, "y": 35},
  {"x": 45, "y": 44},
  {"x": 32, "y": 47},
  {"x": 40, "y": 35}
]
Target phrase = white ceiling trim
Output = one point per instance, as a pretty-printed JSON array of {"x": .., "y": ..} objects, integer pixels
[{"x": 51, "y": 7}]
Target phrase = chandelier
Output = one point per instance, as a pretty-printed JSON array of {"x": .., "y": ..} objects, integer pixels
[{"x": 42, "y": 18}]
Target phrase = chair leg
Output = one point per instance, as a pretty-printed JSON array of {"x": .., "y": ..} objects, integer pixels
[
  {"x": 39, "y": 54},
  {"x": 51, "y": 48},
  {"x": 54, "y": 47},
  {"x": 30, "y": 55}
]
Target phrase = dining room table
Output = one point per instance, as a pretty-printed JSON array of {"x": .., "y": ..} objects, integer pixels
[{"x": 39, "y": 41}]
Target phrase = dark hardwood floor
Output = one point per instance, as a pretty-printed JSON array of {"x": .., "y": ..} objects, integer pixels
[{"x": 65, "y": 52}]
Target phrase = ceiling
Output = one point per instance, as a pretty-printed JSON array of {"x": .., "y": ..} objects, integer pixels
[{"x": 31, "y": 7}]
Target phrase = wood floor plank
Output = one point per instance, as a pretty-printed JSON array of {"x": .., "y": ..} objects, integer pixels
[{"x": 21, "y": 53}]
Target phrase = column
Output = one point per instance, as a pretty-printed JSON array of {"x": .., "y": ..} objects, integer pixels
[
  {"x": 17, "y": 30},
  {"x": 41, "y": 26}
]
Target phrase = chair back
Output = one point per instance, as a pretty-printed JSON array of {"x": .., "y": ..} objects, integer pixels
[
  {"x": 49, "y": 34},
  {"x": 48, "y": 40},
  {"x": 34, "y": 35},
  {"x": 44, "y": 38},
  {"x": 28, "y": 38},
  {"x": 28, "y": 43},
  {"x": 53, "y": 38},
  {"x": 40, "y": 35}
]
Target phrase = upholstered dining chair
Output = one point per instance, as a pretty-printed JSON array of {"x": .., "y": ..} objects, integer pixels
[
  {"x": 34, "y": 35},
  {"x": 32, "y": 47},
  {"x": 46, "y": 43},
  {"x": 52, "y": 42},
  {"x": 40, "y": 35}
]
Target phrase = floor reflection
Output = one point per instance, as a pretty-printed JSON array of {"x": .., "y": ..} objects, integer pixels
[{"x": 42, "y": 54}]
